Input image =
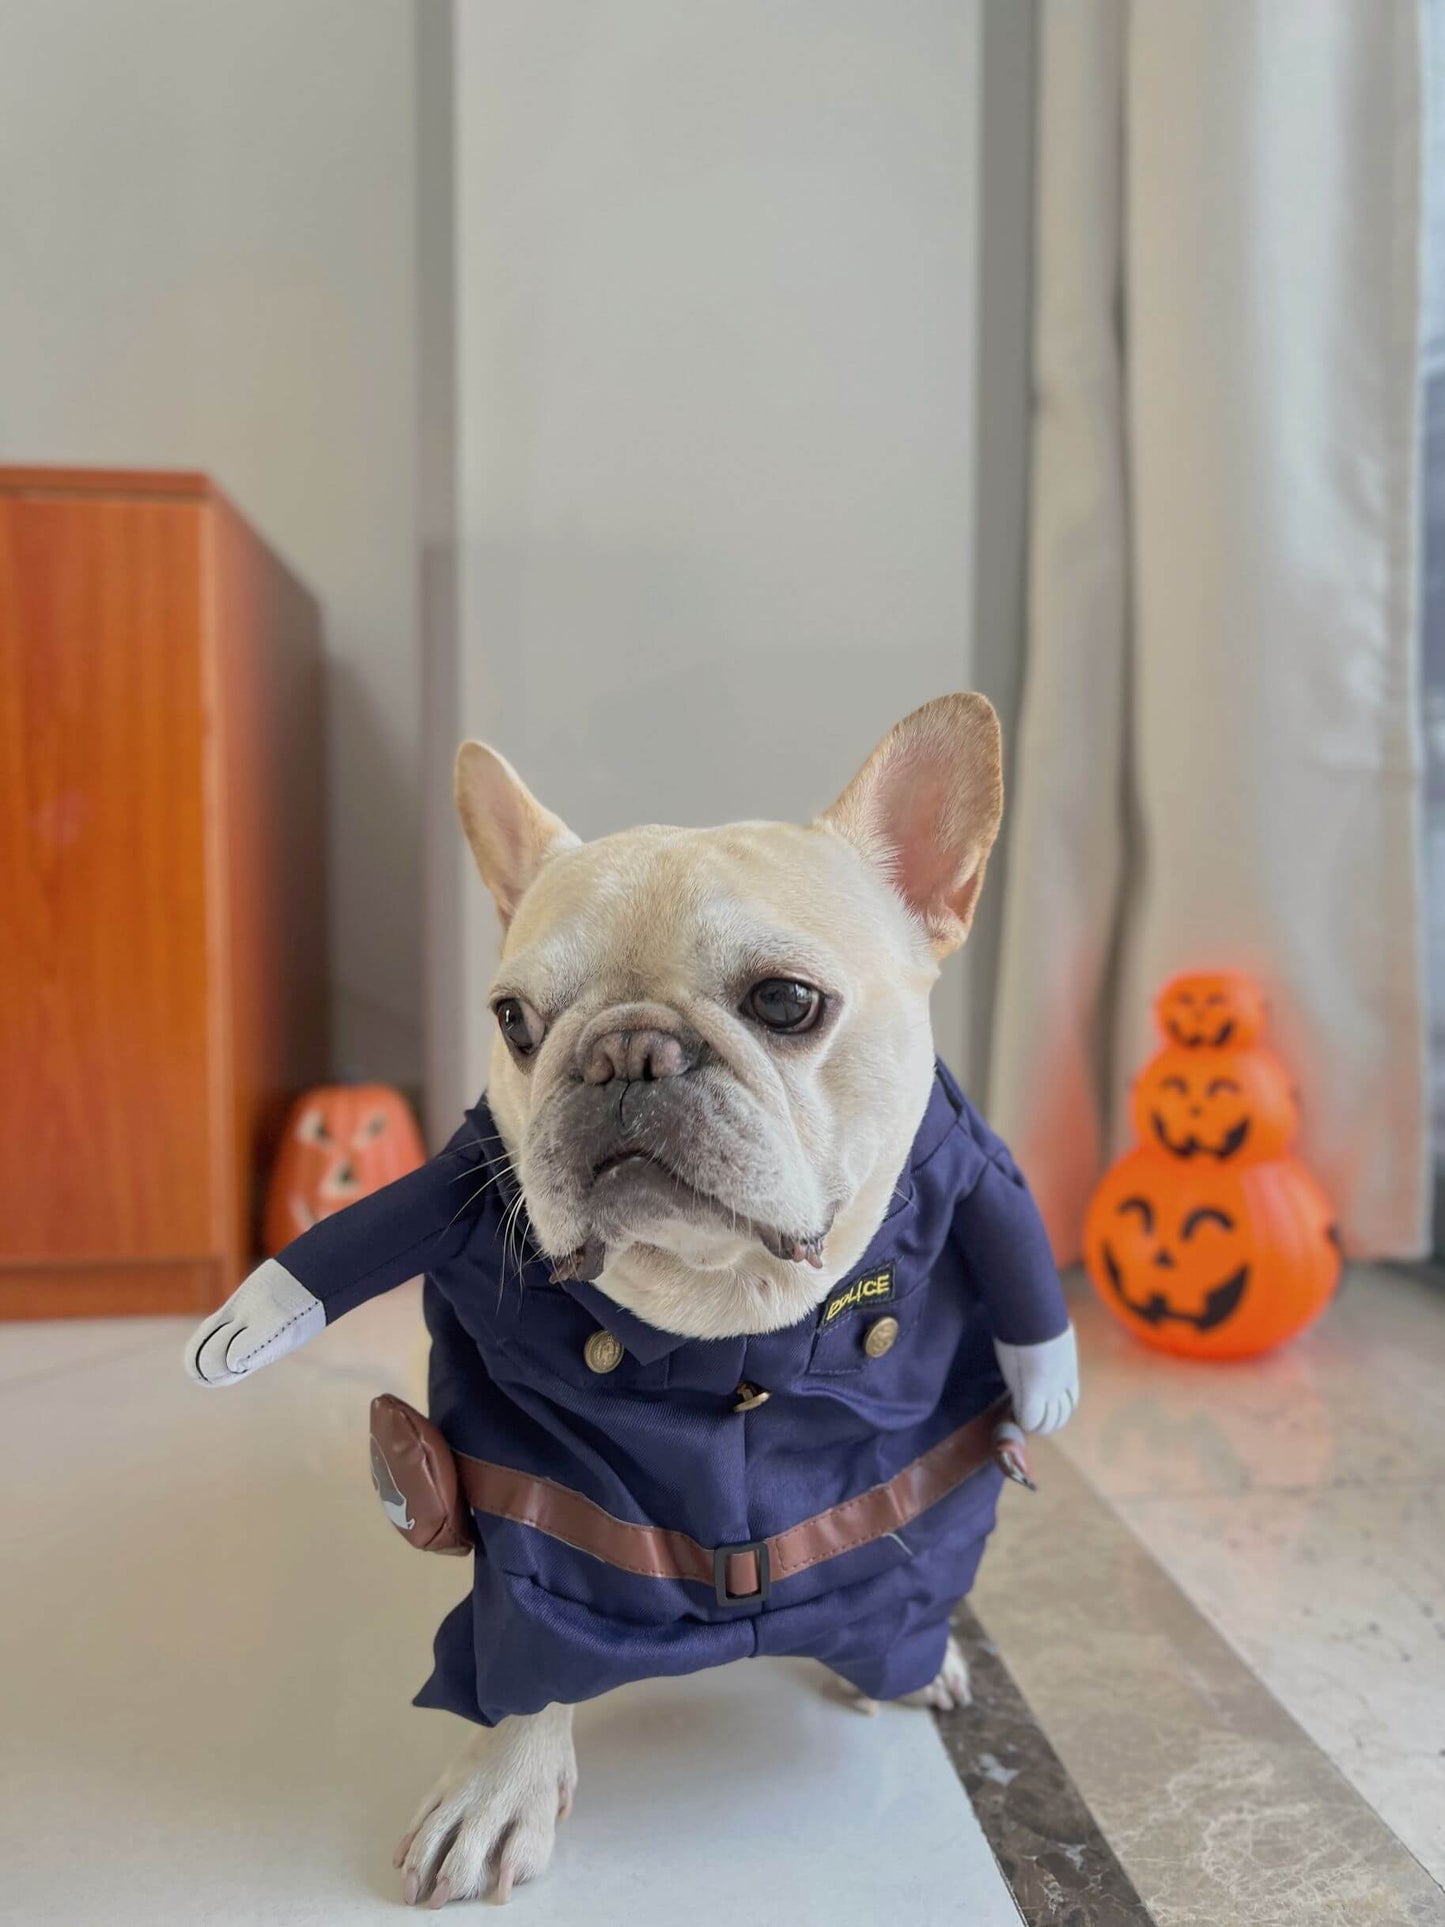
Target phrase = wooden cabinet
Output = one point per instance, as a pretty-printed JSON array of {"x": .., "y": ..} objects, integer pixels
[{"x": 162, "y": 912}]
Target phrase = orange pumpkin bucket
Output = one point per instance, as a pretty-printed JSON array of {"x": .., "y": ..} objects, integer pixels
[
  {"x": 1215, "y": 1104},
  {"x": 1211, "y": 1261},
  {"x": 1211, "y": 1240},
  {"x": 341, "y": 1142},
  {"x": 1211, "y": 1008}
]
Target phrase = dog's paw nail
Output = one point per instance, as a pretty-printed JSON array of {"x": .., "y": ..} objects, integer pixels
[
  {"x": 504, "y": 1882},
  {"x": 864, "y": 1705},
  {"x": 564, "y": 1802},
  {"x": 441, "y": 1893},
  {"x": 411, "y": 1889},
  {"x": 400, "y": 1855}
]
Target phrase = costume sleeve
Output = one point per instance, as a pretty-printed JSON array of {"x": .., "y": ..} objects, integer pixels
[
  {"x": 409, "y": 1226},
  {"x": 413, "y": 1225},
  {"x": 1005, "y": 1252}
]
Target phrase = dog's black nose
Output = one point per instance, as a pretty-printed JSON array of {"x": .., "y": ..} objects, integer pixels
[{"x": 638, "y": 1056}]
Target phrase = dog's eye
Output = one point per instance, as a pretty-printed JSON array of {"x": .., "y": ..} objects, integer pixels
[
  {"x": 519, "y": 1024},
  {"x": 780, "y": 1004}
]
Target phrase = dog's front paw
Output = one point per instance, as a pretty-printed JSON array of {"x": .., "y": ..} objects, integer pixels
[
  {"x": 489, "y": 1823},
  {"x": 267, "y": 1315}
]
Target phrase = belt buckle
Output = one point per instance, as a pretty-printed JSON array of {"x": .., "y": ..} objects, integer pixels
[{"x": 749, "y": 1602}]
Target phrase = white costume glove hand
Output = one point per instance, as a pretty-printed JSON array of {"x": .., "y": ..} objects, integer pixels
[
  {"x": 1043, "y": 1380},
  {"x": 266, "y": 1316}
]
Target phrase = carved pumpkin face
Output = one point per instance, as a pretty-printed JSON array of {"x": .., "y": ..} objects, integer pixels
[
  {"x": 1215, "y": 1104},
  {"x": 1211, "y": 1008},
  {"x": 340, "y": 1143},
  {"x": 1210, "y": 1260}
]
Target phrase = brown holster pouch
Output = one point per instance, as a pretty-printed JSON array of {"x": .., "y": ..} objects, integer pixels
[{"x": 414, "y": 1471}]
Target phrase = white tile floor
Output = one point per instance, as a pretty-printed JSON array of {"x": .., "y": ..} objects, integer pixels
[
  {"x": 210, "y": 1637},
  {"x": 1299, "y": 1501}
]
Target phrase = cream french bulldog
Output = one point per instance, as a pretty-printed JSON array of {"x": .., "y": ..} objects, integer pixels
[{"x": 756, "y": 1229}]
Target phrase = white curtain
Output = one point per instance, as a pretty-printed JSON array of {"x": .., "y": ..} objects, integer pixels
[{"x": 1218, "y": 757}]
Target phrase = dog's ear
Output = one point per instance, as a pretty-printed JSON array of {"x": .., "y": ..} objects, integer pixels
[
  {"x": 510, "y": 833},
  {"x": 925, "y": 808}
]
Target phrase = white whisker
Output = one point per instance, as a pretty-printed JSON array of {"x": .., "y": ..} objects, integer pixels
[{"x": 508, "y": 1170}]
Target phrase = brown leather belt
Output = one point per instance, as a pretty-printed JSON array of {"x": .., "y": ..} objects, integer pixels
[{"x": 740, "y": 1575}]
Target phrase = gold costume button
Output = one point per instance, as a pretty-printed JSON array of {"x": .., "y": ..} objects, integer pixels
[
  {"x": 603, "y": 1352},
  {"x": 882, "y": 1335}
]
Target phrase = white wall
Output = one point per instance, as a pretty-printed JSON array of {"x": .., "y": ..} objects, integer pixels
[
  {"x": 206, "y": 260},
  {"x": 716, "y": 368}
]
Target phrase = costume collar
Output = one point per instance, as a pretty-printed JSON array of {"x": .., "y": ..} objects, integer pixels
[
  {"x": 643, "y": 1342},
  {"x": 648, "y": 1345}
]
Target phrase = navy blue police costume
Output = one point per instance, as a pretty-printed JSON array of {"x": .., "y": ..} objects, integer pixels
[{"x": 673, "y": 1433}]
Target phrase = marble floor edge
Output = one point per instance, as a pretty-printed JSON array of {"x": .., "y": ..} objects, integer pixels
[
  {"x": 1060, "y": 1869},
  {"x": 1216, "y": 1802},
  {"x": 1298, "y": 1500}
]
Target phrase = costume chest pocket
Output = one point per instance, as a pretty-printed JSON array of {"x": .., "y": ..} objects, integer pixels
[{"x": 861, "y": 1322}]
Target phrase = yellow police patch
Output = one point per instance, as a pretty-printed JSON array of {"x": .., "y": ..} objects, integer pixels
[{"x": 873, "y": 1288}]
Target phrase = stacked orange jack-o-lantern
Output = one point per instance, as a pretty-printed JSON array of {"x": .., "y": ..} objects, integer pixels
[{"x": 1211, "y": 1239}]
